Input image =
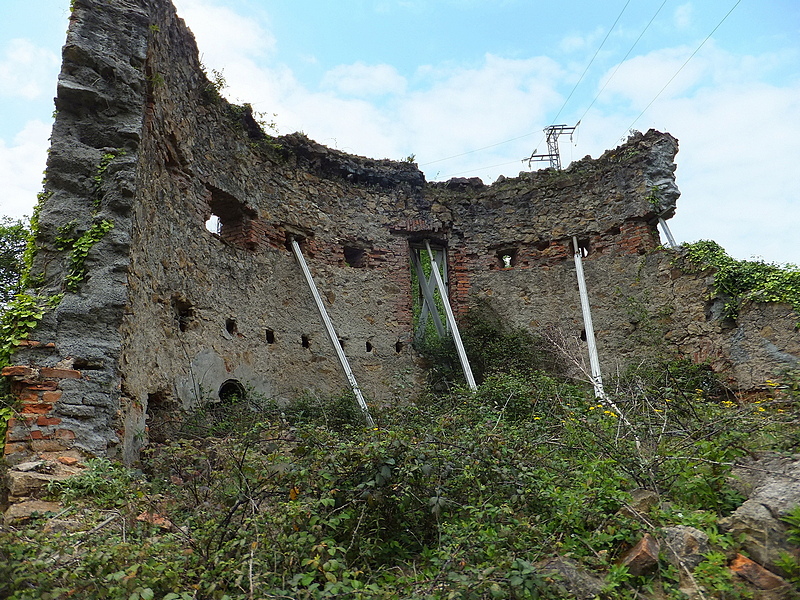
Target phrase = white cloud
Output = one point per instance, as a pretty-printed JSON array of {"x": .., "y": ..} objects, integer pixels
[
  {"x": 27, "y": 70},
  {"x": 362, "y": 80},
  {"x": 21, "y": 166},
  {"x": 222, "y": 34}
]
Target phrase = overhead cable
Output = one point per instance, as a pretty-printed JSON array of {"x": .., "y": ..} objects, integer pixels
[
  {"x": 691, "y": 56},
  {"x": 624, "y": 58},
  {"x": 559, "y": 110}
]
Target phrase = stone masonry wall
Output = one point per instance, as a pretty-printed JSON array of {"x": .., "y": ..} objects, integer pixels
[{"x": 171, "y": 314}]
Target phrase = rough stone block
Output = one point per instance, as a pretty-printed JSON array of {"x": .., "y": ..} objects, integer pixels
[
  {"x": 756, "y": 574},
  {"x": 23, "y": 511},
  {"x": 643, "y": 557}
]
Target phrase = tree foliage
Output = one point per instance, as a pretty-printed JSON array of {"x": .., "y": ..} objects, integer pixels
[{"x": 14, "y": 236}]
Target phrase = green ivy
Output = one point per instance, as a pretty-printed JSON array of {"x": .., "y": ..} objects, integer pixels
[
  {"x": 79, "y": 249},
  {"x": 741, "y": 280},
  {"x": 102, "y": 167},
  {"x": 19, "y": 318}
]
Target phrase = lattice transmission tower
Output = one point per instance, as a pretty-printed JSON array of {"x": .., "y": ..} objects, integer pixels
[{"x": 552, "y": 134}]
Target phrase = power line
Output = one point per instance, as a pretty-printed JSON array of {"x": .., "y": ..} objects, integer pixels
[
  {"x": 619, "y": 16},
  {"x": 691, "y": 56},
  {"x": 559, "y": 110},
  {"x": 624, "y": 58}
]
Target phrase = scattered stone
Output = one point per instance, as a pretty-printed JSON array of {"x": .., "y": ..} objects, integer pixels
[
  {"x": 756, "y": 574},
  {"x": 18, "y": 513},
  {"x": 62, "y": 526},
  {"x": 643, "y": 557},
  {"x": 29, "y": 466},
  {"x": 774, "y": 489},
  {"x": 580, "y": 584},
  {"x": 28, "y": 483},
  {"x": 685, "y": 546},
  {"x": 68, "y": 460}
]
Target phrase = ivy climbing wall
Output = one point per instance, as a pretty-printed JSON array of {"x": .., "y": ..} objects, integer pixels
[{"x": 164, "y": 265}]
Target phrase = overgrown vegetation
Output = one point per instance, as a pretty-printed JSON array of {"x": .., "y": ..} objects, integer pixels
[
  {"x": 738, "y": 281},
  {"x": 455, "y": 495},
  {"x": 78, "y": 247}
]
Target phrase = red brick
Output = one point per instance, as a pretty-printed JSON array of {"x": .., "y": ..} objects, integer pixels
[
  {"x": 41, "y": 408},
  {"x": 52, "y": 396},
  {"x": 59, "y": 373},
  {"x": 43, "y": 386},
  {"x": 44, "y": 421},
  {"x": 17, "y": 371},
  {"x": 27, "y": 395},
  {"x": 38, "y": 435}
]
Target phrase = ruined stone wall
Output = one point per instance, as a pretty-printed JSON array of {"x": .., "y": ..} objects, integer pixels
[{"x": 171, "y": 314}]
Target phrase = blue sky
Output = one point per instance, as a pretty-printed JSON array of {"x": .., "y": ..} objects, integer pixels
[{"x": 467, "y": 86}]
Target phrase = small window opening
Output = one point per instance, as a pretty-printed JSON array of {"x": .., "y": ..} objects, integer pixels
[
  {"x": 369, "y": 347},
  {"x": 341, "y": 343},
  {"x": 398, "y": 347},
  {"x": 583, "y": 335},
  {"x": 507, "y": 258},
  {"x": 542, "y": 246},
  {"x": 231, "y": 327},
  {"x": 583, "y": 246},
  {"x": 305, "y": 340},
  {"x": 270, "y": 336},
  {"x": 231, "y": 392},
  {"x": 355, "y": 257},
  {"x": 183, "y": 311}
]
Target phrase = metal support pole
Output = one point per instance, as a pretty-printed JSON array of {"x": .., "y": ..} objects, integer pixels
[
  {"x": 332, "y": 333},
  {"x": 429, "y": 306},
  {"x": 667, "y": 233},
  {"x": 462, "y": 354},
  {"x": 594, "y": 361}
]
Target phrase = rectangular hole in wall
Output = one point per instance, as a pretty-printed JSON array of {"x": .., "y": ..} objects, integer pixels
[
  {"x": 355, "y": 257},
  {"x": 305, "y": 341},
  {"x": 231, "y": 327},
  {"x": 584, "y": 247},
  {"x": 270, "y": 336},
  {"x": 507, "y": 258}
]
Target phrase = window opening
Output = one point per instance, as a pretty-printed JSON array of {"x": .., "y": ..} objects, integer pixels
[
  {"x": 230, "y": 218},
  {"x": 355, "y": 257},
  {"x": 428, "y": 324},
  {"x": 232, "y": 391},
  {"x": 270, "y": 335},
  {"x": 583, "y": 335},
  {"x": 305, "y": 340},
  {"x": 583, "y": 246},
  {"x": 398, "y": 347},
  {"x": 507, "y": 258},
  {"x": 231, "y": 327},
  {"x": 183, "y": 311},
  {"x": 369, "y": 347}
]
